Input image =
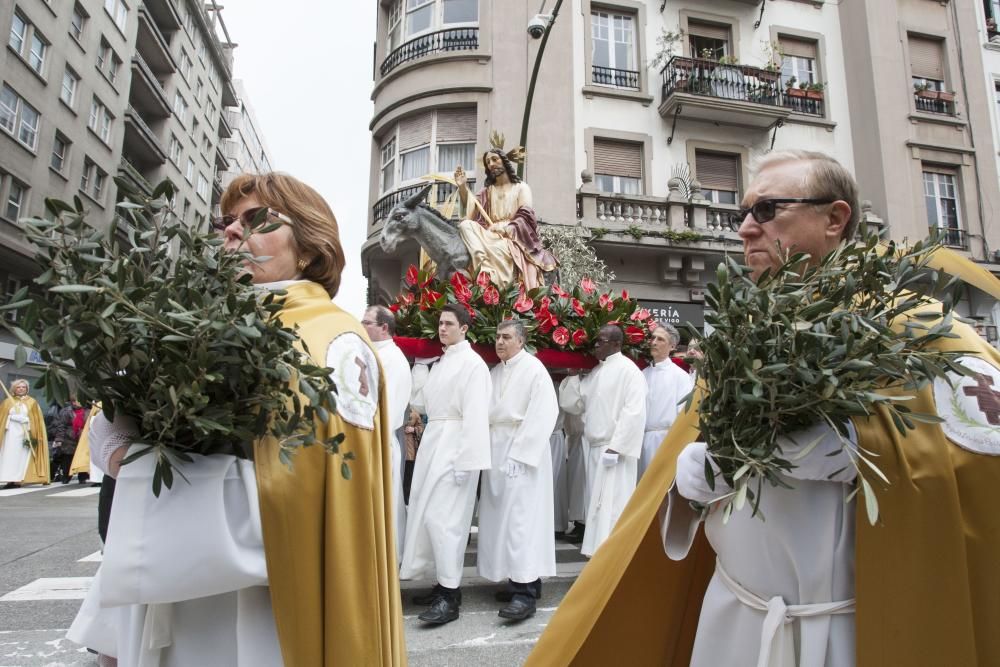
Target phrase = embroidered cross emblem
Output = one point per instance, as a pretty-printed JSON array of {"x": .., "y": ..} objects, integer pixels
[
  {"x": 986, "y": 396},
  {"x": 363, "y": 377}
]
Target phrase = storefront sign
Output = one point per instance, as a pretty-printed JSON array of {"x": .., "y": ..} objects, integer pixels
[{"x": 676, "y": 313}]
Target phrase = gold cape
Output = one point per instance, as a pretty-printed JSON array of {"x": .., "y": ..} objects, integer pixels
[
  {"x": 38, "y": 465},
  {"x": 926, "y": 574},
  {"x": 328, "y": 541},
  {"x": 81, "y": 457}
]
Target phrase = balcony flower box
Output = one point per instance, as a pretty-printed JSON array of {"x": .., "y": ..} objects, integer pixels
[
  {"x": 795, "y": 92},
  {"x": 946, "y": 95},
  {"x": 814, "y": 94},
  {"x": 927, "y": 94}
]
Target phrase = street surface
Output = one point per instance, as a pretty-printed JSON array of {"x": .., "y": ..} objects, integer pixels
[{"x": 50, "y": 550}]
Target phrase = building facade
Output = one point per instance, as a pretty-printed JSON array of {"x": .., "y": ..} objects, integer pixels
[
  {"x": 244, "y": 149},
  {"x": 648, "y": 115},
  {"x": 92, "y": 89}
]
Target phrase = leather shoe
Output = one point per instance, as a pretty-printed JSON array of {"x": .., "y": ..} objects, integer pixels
[
  {"x": 504, "y": 595},
  {"x": 428, "y": 598},
  {"x": 443, "y": 610},
  {"x": 521, "y": 607}
]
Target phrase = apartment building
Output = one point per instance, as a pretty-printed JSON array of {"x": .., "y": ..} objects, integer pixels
[
  {"x": 244, "y": 148},
  {"x": 91, "y": 89},
  {"x": 648, "y": 114}
]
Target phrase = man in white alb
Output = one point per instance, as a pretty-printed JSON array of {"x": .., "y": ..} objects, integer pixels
[
  {"x": 667, "y": 385},
  {"x": 612, "y": 400},
  {"x": 455, "y": 446},
  {"x": 380, "y": 324},
  {"x": 516, "y": 541}
]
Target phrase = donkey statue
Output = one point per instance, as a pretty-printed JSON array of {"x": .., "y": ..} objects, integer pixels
[{"x": 438, "y": 236}]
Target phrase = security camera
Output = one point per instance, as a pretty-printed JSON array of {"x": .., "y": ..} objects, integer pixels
[{"x": 537, "y": 25}]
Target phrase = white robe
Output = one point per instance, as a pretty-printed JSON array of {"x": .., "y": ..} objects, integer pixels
[
  {"x": 456, "y": 400},
  {"x": 560, "y": 480},
  {"x": 14, "y": 456},
  {"x": 576, "y": 468},
  {"x": 612, "y": 400},
  {"x": 183, "y": 579},
  {"x": 398, "y": 384},
  {"x": 803, "y": 553},
  {"x": 516, "y": 538},
  {"x": 667, "y": 384}
]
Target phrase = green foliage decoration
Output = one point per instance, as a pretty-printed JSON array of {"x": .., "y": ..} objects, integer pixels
[{"x": 156, "y": 321}]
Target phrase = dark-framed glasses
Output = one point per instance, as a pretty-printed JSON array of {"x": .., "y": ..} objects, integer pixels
[
  {"x": 249, "y": 217},
  {"x": 764, "y": 210}
]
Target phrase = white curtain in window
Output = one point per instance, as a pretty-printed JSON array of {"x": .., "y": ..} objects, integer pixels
[
  {"x": 453, "y": 155},
  {"x": 414, "y": 164}
]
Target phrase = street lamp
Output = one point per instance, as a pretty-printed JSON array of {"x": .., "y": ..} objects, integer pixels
[{"x": 539, "y": 27}]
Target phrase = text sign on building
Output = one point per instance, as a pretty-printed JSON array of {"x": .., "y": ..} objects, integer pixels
[{"x": 675, "y": 313}]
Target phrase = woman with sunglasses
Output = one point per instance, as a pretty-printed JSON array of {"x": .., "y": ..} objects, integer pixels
[{"x": 255, "y": 562}]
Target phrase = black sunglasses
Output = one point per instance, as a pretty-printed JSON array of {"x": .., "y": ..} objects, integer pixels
[
  {"x": 764, "y": 210},
  {"x": 249, "y": 217}
]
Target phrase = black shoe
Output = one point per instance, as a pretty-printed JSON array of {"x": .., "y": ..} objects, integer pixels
[
  {"x": 12, "y": 485},
  {"x": 504, "y": 595},
  {"x": 443, "y": 610},
  {"x": 66, "y": 479},
  {"x": 428, "y": 598},
  {"x": 521, "y": 607}
]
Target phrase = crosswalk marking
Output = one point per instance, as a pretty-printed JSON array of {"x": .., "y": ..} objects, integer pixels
[
  {"x": 24, "y": 489},
  {"x": 95, "y": 557},
  {"x": 76, "y": 493},
  {"x": 51, "y": 588}
]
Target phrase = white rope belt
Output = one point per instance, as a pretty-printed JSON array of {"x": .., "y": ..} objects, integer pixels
[
  {"x": 506, "y": 422},
  {"x": 657, "y": 430},
  {"x": 776, "y": 644},
  {"x": 444, "y": 419},
  {"x": 598, "y": 443}
]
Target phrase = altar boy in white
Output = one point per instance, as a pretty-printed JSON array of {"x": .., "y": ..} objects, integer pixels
[
  {"x": 455, "y": 396},
  {"x": 612, "y": 400},
  {"x": 516, "y": 540},
  {"x": 667, "y": 385}
]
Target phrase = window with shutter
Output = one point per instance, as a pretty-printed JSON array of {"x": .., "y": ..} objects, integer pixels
[
  {"x": 719, "y": 175},
  {"x": 708, "y": 40},
  {"x": 432, "y": 141},
  {"x": 618, "y": 166},
  {"x": 798, "y": 60},
  {"x": 926, "y": 58}
]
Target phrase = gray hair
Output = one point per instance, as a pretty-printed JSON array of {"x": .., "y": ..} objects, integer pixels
[
  {"x": 671, "y": 330},
  {"x": 517, "y": 326},
  {"x": 825, "y": 179},
  {"x": 384, "y": 316}
]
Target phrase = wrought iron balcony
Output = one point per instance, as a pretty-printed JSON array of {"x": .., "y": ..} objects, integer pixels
[
  {"x": 710, "y": 91},
  {"x": 381, "y": 209},
  {"x": 935, "y": 101},
  {"x": 951, "y": 237},
  {"x": 452, "y": 39},
  {"x": 619, "y": 78}
]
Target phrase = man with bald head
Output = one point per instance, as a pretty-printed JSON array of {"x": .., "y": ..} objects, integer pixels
[
  {"x": 612, "y": 401},
  {"x": 380, "y": 323}
]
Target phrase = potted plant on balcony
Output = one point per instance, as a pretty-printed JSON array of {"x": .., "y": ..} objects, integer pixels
[
  {"x": 791, "y": 90},
  {"x": 814, "y": 91},
  {"x": 925, "y": 91},
  {"x": 946, "y": 95}
]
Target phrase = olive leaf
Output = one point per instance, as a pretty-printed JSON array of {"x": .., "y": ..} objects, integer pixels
[
  {"x": 155, "y": 320},
  {"x": 825, "y": 343}
]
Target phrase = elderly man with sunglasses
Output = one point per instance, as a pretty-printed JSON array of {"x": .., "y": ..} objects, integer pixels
[{"x": 812, "y": 584}]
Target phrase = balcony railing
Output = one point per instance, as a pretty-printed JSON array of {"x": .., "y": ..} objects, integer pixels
[
  {"x": 935, "y": 101},
  {"x": 619, "y": 78},
  {"x": 390, "y": 201},
  {"x": 741, "y": 83},
  {"x": 951, "y": 237},
  {"x": 453, "y": 39}
]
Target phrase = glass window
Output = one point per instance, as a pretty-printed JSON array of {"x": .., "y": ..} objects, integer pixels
[
  {"x": 802, "y": 69},
  {"x": 175, "y": 150},
  {"x": 28, "y": 133},
  {"x": 18, "y": 31},
  {"x": 114, "y": 67},
  {"x": 460, "y": 11},
  {"x": 613, "y": 41},
  {"x": 76, "y": 23},
  {"x": 419, "y": 16},
  {"x": 59, "y": 148},
  {"x": 100, "y": 178},
  {"x": 180, "y": 107},
  {"x": 388, "y": 165},
  {"x": 36, "y": 58},
  {"x": 88, "y": 167},
  {"x": 189, "y": 171},
  {"x": 414, "y": 164},
  {"x": 452, "y": 155},
  {"x": 15, "y": 200},
  {"x": 68, "y": 92},
  {"x": 941, "y": 201},
  {"x": 394, "y": 25},
  {"x": 9, "y": 102},
  {"x": 624, "y": 185}
]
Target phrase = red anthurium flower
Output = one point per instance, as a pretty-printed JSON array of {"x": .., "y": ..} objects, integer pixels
[
  {"x": 523, "y": 303},
  {"x": 394, "y": 307},
  {"x": 559, "y": 291},
  {"x": 588, "y": 286},
  {"x": 483, "y": 279},
  {"x": 640, "y": 315},
  {"x": 491, "y": 296},
  {"x": 578, "y": 307},
  {"x": 652, "y": 324},
  {"x": 634, "y": 334},
  {"x": 625, "y": 294},
  {"x": 545, "y": 303},
  {"x": 579, "y": 337},
  {"x": 561, "y": 336},
  {"x": 458, "y": 280},
  {"x": 603, "y": 301},
  {"x": 411, "y": 275},
  {"x": 408, "y": 299},
  {"x": 463, "y": 293},
  {"x": 431, "y": 296},
  {"x": 546, "y": 324},
  {"x": 472, "y": 311}
]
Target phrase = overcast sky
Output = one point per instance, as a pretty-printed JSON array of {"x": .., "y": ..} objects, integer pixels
[{"x": 307, "y": 68}]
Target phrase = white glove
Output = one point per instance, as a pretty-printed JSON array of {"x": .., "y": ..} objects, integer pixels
[
  {"x": 690, "y": 480},
  {"x": 514, "y": 468},
  {"x": 610, "y": 459},
  {"x": 460, "y": 476}
]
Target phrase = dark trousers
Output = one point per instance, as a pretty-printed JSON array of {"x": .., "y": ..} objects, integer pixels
[
  {"x": 532, "y": 589},
  {"x": 104, "y": 506}
]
